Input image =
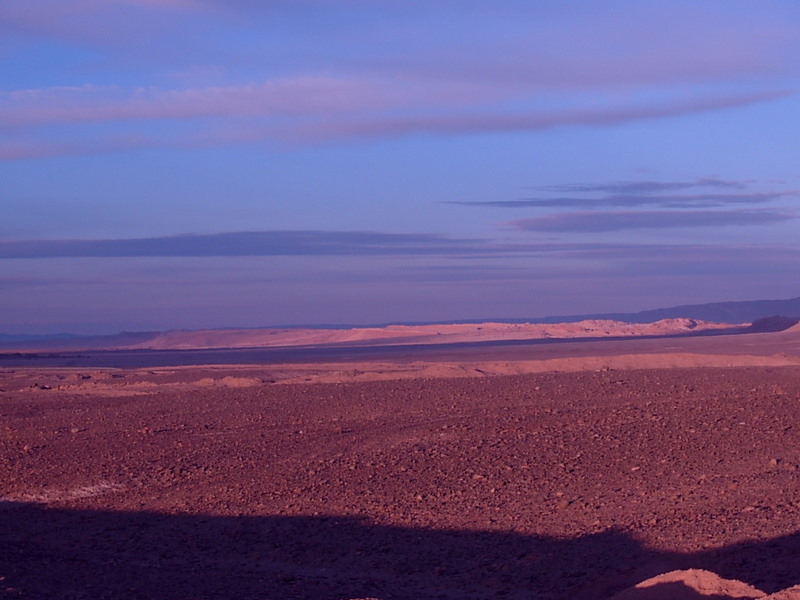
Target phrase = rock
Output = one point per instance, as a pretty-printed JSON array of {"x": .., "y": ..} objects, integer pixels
[
  {"x": 692, "y": 584},
  {"x": 793, "y": 593}
]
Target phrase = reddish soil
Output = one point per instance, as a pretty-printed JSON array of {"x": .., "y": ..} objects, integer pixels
[{"x": 549, "y": 485}]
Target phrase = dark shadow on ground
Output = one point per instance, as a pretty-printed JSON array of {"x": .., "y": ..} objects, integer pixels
[{"x": 58, "y": 553}]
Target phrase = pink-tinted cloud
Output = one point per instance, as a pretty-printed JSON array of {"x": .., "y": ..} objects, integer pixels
[
  {"x": 37, "y": 149},
  {"x": 103, "y": 22},
  {"x": 305, "y": 119},
  {"x": 490, "y": 122},
  {"x": 593, "y": 46},
  {"x": 596, "y": 47},
  {"x": 606, "y": 72},
  {"x": 293, "y": 97}
]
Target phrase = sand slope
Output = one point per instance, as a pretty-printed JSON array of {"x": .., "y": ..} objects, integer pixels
[{"x": 423, "y": 334}]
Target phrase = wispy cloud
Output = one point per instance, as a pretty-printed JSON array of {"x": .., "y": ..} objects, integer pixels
[
  {"x": 538, "y": 44},
  {"x": 299, "y": 96},
  {"x": 471, "y": 81},
  {"x": 495, "y": 122},
  {"x": 303, "y": 111},
  {"x": 103, "y": 22},
  {"x": 665, "y": 201},
  {"x": 250, "y": 243},
  {"x": 707, "y": 192},
  {"x": 645, "y": 186},
  {"x": 319, "y": 243},
  {"x": 314, "y": 96},
  {"x": 600, "y": 222}
]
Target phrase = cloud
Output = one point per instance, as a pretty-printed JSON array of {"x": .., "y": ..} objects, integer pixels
[
  {"x": 75, "y": 18},
  {"x": 666, "y": 201},
  {"x": 311, "y": 243},
  {"x": 633, "y": 44},
  {"x": 251, "y": 243},
  {"x": 645, "y": 186},
  {"x": 653, "y": 254},
  {"x": 600, "y": 222},
  {"x": 298, "y": 96},
  {"x": 498, "y": 122},
  {"x": 292, "y": 111},
  {"x": 311, "y": 87},
  {"x": 315, "y": 96},
  {"x": 635, "y": 194},
  {"x": 36, "y": 149},
  {"x": 542, "y": 43},
  {"x": 470, "y": 254}
]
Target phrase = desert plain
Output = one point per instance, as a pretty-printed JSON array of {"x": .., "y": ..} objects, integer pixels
[{"x": 555, "y": 470}]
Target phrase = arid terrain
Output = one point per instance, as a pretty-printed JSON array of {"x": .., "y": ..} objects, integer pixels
[
  {"x": 567, "y": 470},
  {"x": 396, "y": 335},
  {"x": 425, "y": 334}
]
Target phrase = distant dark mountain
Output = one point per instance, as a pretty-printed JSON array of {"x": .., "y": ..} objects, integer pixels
[
  {"x": 11, "y": 337},
  {"x": 717, "y": 312},
  {"x": 770, "y": 324},
  {"x": 68, "y": 342}
]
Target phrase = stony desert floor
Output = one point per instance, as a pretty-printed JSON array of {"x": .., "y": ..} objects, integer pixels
[{"x": 218, "y": 482}]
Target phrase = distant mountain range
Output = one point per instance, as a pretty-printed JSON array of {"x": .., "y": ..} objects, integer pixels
[
  {"x": 715, "y": 312},
  {"x": 66, "y": 340}
]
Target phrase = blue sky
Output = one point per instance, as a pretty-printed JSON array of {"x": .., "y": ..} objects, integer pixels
[{"x": 209, "y": 163}]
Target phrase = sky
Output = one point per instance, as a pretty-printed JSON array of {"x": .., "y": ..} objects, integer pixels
[{"x": 241, "y": 163}]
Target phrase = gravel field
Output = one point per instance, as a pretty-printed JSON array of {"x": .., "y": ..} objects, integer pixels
[{"x": 550, "y": 485}]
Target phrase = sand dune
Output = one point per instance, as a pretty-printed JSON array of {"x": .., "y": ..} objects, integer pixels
[{"x": 423, "y": 334}]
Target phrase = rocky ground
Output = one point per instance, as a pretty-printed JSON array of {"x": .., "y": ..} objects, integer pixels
[{"x": 548, "y": 485}]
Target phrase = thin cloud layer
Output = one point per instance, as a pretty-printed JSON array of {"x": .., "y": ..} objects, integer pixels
[
  {"x": 679, "y": 211},
  {"x": 666, "y": 201},
  {"x": 494, "y": 122},
  {"x": 300, "y": 96},
  {"x": 645, "y": 186},
  {"x": 302, "y": 112},
  {"x": 603, "y": 222},
  {"x": 455, "y": 81},
  {"x": 317, "y": 243},
  {"x": 249, "y": 243}
]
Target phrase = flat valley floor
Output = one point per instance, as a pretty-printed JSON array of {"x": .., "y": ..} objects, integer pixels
[{"x": 200, "y": 483}]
